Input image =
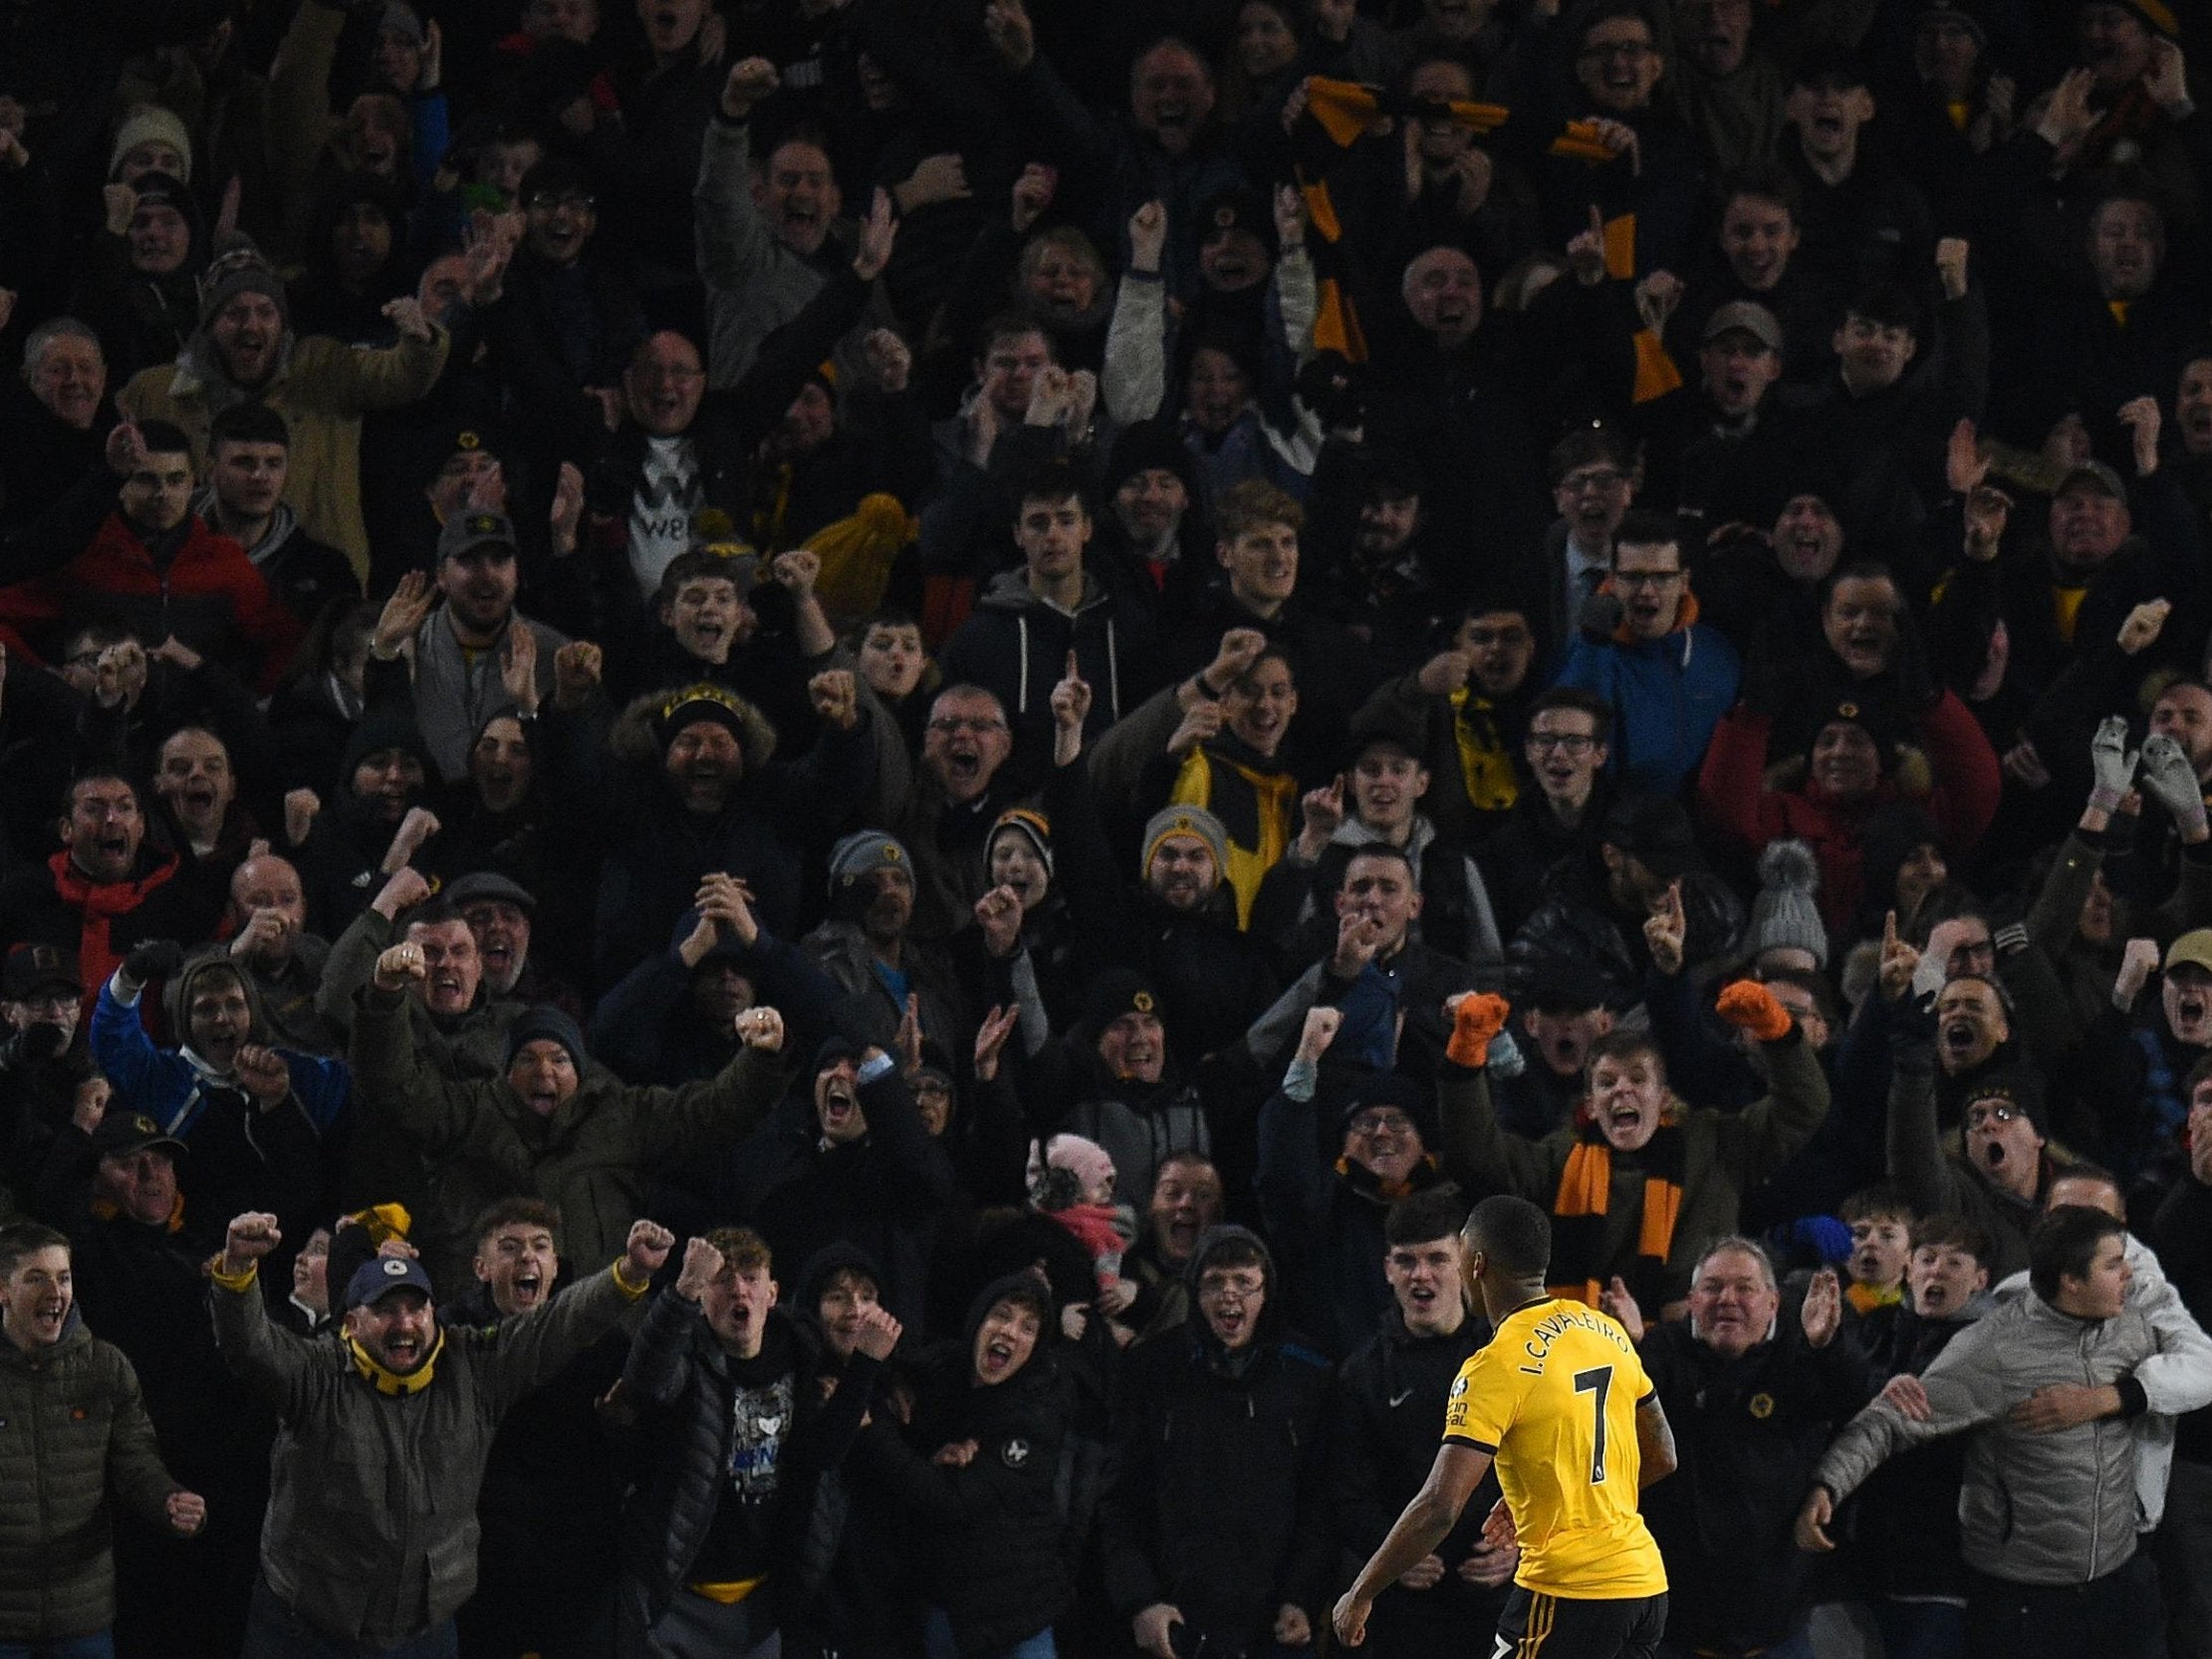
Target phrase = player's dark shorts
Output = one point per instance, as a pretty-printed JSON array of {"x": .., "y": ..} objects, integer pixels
[{"x": 1555, "y": 1628}]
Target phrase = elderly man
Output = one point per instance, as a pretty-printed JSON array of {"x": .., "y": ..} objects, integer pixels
[
  {"x": 1753, "y": 1400},
  {"x": 53, "y": 468},
  {"x": 280, "y": 959},
  {"x": 372, "y": 1532}
]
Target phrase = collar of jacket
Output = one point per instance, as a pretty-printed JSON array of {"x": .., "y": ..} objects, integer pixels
[
  {"x": 1686, "y": 618},
  {"x": 391, "y": 1383}
]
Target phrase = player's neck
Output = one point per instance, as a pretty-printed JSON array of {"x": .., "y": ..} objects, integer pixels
[{"x": 1500, "y": 1300}]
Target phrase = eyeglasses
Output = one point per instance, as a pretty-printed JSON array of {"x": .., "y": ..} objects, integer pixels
[
  {"x": 1566, "y": 743},
  {"x": 1382, "y": 1122},
  {"x": 951, "y": 725},
  {"x": 1994, "y": 1114},
  {"x": 1235, "y": 1286},
  {"x": 1645, "y": 578}
]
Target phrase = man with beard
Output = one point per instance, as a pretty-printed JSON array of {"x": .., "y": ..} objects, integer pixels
[
  {"x": 1148, "y": 549},
  {"x": 864, "y": 945},
  {"x": 1390, "y": 1394},
  {"x": 463, "y": 649},
  {"x": 1181, "y": 934},
  {"x": 280, "y": 960},
  {"x": 1328, "y": 1221},
  {"x": 249, "y": 462},
  {"x": 105, "y": 890},
  {"x": 846, "y": 1157},
  {"x": 1639, "y": 1179},
  {"x": 408, "y": 1522},
  {"x": 1668, "y": 677},
  {"x": 552, "y": 1491},
  {"x": 501, "y": 913},
  {"x": 245, "y": 351},
  {"x": 162, "y": 573},
  {"x": 1471, "y": 702}
]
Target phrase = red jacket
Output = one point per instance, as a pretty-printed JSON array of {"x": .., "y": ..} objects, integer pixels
[
  {"x": 211, "y": 597},
  {"x": 1733, "y": 797}
]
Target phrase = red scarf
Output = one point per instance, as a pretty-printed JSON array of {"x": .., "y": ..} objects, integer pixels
[{"x": 99, "y": 903}]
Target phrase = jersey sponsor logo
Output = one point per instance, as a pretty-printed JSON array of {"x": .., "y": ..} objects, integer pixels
[{"x": 1400, "y": 1399}]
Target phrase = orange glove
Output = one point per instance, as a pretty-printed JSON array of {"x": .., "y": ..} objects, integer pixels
[
  {"x": 1751, "y": 1006},
  {"x": 1476, "y": 1020}
]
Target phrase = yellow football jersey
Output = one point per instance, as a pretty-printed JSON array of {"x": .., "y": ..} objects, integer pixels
[{"x": 1553, "y": 1396}]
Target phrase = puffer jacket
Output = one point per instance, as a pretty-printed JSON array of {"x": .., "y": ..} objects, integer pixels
[
  {"x": 2037, "y": 1508},
  {"x": 590, "y": 1157},
  {"x": 679, "y": 1375},
  {"x": 71, "y": 1424},
  {"x": 371, "y": 1533},
  {"x": 1667, "y": 696}
]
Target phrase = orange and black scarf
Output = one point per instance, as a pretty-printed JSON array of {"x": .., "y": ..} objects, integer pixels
[{"x": 1579, "y": 1213}]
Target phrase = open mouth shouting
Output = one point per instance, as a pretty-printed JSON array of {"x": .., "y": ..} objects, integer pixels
[
  {"x": 528, "y": 1288},
  {"x": 997, "y": 1359}
]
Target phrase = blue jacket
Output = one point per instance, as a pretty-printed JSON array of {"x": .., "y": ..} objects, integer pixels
[
  {"x": 1666, "y": 694},
  {"x": 171, "y": 1085}
]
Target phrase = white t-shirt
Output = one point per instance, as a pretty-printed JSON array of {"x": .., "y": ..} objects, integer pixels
[{"x": 662, "y": 509}]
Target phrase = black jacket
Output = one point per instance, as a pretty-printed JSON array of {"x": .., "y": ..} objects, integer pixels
[
  {"x": 1389, "y": 1406},
  {"x": 1747, "y": 1432},
  {"x": 993, "y": 1537},
  {"x": 679, "y": 1375},
  {"x": 1219, "y": 1503}
]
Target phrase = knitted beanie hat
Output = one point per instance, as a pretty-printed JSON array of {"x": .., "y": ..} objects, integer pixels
[
  {"x": 1784, "y": 915},
  {"x": 149, "y": 122}
]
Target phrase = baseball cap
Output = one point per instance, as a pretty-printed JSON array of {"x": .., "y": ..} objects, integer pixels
[
  {"x": 31, "y": 967},
  {"x": 1745, "y": 316},
  {"x": 2194, "y": 947},
  {"x": 123, "y": 1134},
  {"x": 2097, "y": 476},
  {"x": 478, "y": 527},
  {"x": 377, "y": 1278}
]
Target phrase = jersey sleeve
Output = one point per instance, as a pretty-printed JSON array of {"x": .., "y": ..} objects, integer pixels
[
  {"x": 1485, "y": 1398},
  {"x": 1642, "y": 1387}
]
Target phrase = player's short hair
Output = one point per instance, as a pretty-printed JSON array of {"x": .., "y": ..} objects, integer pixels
[
  {"x": 1883, "y": 1202},
  {"x": 742, "y": 1249},
  {"x": 517, "y": 1211},
  {"x": 1951, "y": 1232},
  {"x": 2064, "y": 1245},
  {"x": 1439, "y": 1212},
  {"x": 1737, "y": 1245},
  {"x": 24, "y": 1240},
  {"x": 1513, "y": 1233}
]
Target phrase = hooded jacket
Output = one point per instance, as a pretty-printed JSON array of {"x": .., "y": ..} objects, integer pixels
[
  {"x": 1016, "y": 644},
  {"x": 1666, "y": 695},
  {"x": 992, "y": 1537},
  {"x": 2057, "y": 1509},
  {"x": 77, "y": 1429},
  {"x": 1219, "y": 1506},
  {"x": 174, "y": 1086}
]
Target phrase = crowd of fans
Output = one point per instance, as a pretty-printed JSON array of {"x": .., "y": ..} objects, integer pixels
[{"x": 792, "y": 795}]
